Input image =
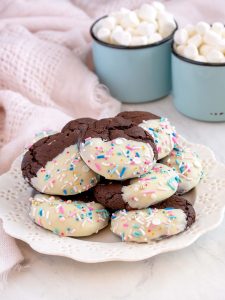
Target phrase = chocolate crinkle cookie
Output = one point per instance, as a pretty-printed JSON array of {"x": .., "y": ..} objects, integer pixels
[{"x": 117, "y": 149}]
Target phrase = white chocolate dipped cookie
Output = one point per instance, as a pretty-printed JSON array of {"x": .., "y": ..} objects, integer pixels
[
  {"x": 54, "y": 166},
  {"x": 158, "y": 184},
  {"x": 188, "y": 166},
  {"x": 166, "y": 219},
  {"x": 160, "y": 129},
  {"x": 68, "y": 218},
  {"x": 117, "y": 149}
]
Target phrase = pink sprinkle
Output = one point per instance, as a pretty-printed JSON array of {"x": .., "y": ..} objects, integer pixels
[
  {"x": 98, "y": 167},
  {"x": 129, "y": 148},
  {"x": 174, "y": 140},
  {"x": 72, "y": 214},
  {"x": 159, "y": 149},
  {"x": 125, "y": 225},
  {"x": 60, "y": 209},
  {"x": 157, "y": 169},
  {"x": 149, "y": 192}
]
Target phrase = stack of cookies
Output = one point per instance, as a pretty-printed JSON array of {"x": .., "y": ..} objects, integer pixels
[{"x": 129, "y": 169}]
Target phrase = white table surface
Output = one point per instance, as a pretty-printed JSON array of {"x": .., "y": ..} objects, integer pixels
[{"x": 194, "y": 273}]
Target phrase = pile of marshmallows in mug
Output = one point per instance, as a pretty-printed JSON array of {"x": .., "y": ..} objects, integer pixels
[{"x": 151, "y": 23}]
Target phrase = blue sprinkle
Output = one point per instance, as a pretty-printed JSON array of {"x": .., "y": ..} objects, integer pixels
[
  {"x": 137, "y": 154},
  {"x": 149, "y": 211},
  {"x": 137, "y": 233},
  {"x": 113, "y": 170},
  {"x": 65, "y": 192},
  {"x": 170, "y": 183},
  {"x": 177, "y": 162},
  {"x": 40, "y": 212},
  {"x": 47, "y": 176},
  {"x": 113, "y": 216},
  {"x": 71, "y": 167},
  {"x": 168, "y": 208},
  {"x": 122, "y": 172},
  {"x": 100, "y": 156},
  {"x": 136, "y": 226},
  {"x": 177, "y": 178},
  {"x": 182, "y": 169}
]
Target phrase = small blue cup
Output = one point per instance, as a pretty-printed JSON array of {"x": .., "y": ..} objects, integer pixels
[
  {"x": 134, "y": 74},
  {"x": 198, "y": 88}
]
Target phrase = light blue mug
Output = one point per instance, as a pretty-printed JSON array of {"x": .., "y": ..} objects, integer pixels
[
  {"x": 133, "y": 74},
  {"x": 198, "y": 88}
]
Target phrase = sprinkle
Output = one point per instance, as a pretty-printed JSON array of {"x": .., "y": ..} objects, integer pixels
[
  {"x": 65, "y": 192},
  {"x": 170, "y": 183},
  {"x": 40, "y": 212},
  {"x": 122, "y": 172},
  {"x": 137, "y": 234},
  {"x": 98, "y": 166},
  {"x": 100, "y": 156},
  {"x": 137, "y": 154}
]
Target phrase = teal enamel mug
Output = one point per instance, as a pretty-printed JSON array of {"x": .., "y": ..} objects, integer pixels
[
  {"x": 198, "y": 88},
  {"x": 133, "y": 74}
]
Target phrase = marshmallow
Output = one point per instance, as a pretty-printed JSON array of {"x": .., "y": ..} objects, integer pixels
[
  {"x": 201, "y": 58},
  {"x": 202, "y": 27},
  {"x": 195, "y": 40},
  {"x": 109, "y": 22},
  {"x": 181, "y": 36},
  {"x": 122, "y": 38},
  {"x": 166, "y": 24},
  {"x": 215, "y": 56},
  {"x": 180, "y": 49},
  {"x": 190, "y": 29},
  {"x": 205, "y": 43},
  {"x": 158, "y": 6},
  {"x": 147, "y": 13},
  {"x": 103, "y": 34},
  {"x": 146, "y": 29},
  {"x": 205, "y": 49},
  {"x": 218, "y": 27},
  {"x": 126, "y": 27},
  {"x": 191, "y": 51},
  {"x": 212, "y": 38},
  {"x": 156, "y": 37},
  {"x": 129, "y": 20},
  {"x": 139, "y": 41}
]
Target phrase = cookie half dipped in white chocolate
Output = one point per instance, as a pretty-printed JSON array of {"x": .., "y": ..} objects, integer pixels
[
  {"x": 73, "y": 218},
  {"x": 163, "y": 220},
  {"x": 54, "y": 166},
  {"x": 117, "y": 149},
  {"x": 188, "y": 166},
  {"x": 158, "y": 184},
  {"x": 160, "y": 129}
]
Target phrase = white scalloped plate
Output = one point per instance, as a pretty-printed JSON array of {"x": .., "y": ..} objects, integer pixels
[{"x": 208, "y": 199}]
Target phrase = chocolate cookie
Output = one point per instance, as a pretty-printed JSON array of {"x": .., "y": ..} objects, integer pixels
[
  {"x": 157, "y": 185},
  {"x": 163, "y": 220},
  {"x": 178, "y": 202},
  {"x": 78, "y": 124},
  {"x": 188, "y": 166},
  {"x": 160, "y": 129},
  {"x": 68, "y": 218},
  {"x": 138, "y": 116},
  {"x": 117, "y": 148},
  {"x": 53, "y": 165}
]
